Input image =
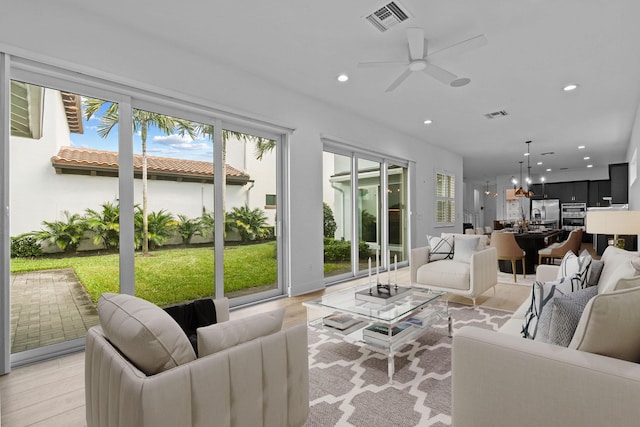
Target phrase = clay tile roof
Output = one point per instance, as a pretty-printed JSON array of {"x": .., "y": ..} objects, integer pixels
[{"x": 103, "y": 160}]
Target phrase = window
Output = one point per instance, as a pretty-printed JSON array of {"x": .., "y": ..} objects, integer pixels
[
  {"x": 445, "y": 199},
  {"x": 270, "y": 201}
]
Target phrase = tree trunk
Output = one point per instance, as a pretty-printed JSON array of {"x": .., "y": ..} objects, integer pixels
[{"x": 145, "y": 219}]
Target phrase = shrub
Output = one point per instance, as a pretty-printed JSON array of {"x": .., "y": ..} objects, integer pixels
[
  {"x": 187, "y": 228},
  {"x": 340, "y": 250},
  {"x": 248, "y": 223},
  {"x": 330, "y": 226},
  {"x": 160, "y": 226},
  {"x": 25, "y": 246},
  {"x": 105, "y": 225},
  {"x": 67, "y": 235},
  {"x": 336, "y": 250}
]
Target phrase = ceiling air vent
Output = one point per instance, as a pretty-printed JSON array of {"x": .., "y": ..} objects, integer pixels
[
  {"x": 388, "y": 15},
  {"x": 496, "y": 114}
]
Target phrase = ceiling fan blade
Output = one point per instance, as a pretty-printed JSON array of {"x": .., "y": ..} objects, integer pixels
[
  {"x": 440, "y": 74},
  {"x": 374, "y": 64},
  {"x": 402, "y": 77},
  {"x": 416, "y": 43},
  {"x": 463, "y": 46}
]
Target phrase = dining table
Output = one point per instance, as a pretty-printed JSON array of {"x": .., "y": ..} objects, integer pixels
[{"x": 531, "y": 241}]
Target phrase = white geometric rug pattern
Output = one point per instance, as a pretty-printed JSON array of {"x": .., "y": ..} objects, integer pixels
[{"x": 349, "y": 383}]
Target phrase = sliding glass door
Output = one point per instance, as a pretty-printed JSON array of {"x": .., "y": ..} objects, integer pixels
[
  {"x": 353, "y": 183},
  {"x": 111, "y": 191}
]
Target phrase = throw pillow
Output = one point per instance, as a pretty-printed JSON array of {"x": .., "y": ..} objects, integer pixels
[
  {"x": 440, "y": 248},
  {"x": 215, "y": 338},
  {"x": 464, "y": 248},
  {"x": 594, "y": 272},
  {"x": 610, "y": 325},
  {"x": 575, "y": 268},
  {"x": 541, "y": 294},
  {"x": 558, "y": 321},
  {"x": 144, "y": 333}
]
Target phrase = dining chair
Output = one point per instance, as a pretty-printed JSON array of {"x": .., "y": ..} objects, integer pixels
[
  {"x": 509, "y": 250},
  {"x": 560, "y": 249}
]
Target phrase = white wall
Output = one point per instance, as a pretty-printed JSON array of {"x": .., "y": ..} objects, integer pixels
[
  {"x": 242, "y": 91},
  {"x": 634, "y": 148}
]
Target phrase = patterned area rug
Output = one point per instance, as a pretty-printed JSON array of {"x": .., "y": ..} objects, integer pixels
[{"x": 349, "y": 384}]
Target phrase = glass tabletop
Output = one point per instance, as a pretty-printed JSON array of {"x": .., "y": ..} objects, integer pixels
[{"x": 346, "y": 302}]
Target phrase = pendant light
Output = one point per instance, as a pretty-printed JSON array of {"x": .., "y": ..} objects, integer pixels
[
  {"x": 486, "y": 191},
  {"x": 529, "y": 191},
  {"x": 520, "y": 191}
]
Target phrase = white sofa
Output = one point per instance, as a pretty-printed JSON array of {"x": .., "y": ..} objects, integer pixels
[
  {"x": 502, "y": 379},
  {"x": 469, "y": 279},
  {"x": 252, "y": 374}
]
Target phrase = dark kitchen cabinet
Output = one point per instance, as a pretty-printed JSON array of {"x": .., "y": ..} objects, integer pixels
[
  {"x": 619, "y": 177},
  {"x": 547, "y": 191},
  {"x": 573, "y": 192},
  {"x": 597, "y": 191}
]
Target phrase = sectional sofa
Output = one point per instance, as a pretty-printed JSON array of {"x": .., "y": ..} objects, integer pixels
[{"x": 502, "y": 379}]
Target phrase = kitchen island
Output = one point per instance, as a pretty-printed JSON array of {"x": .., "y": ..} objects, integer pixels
[{"x": 531, "y": 242}]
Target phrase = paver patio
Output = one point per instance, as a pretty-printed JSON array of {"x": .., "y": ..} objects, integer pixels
[{"x": 48, "y": 307}]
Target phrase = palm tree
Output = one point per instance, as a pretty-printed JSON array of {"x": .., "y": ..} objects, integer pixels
[{"x": 142, "y": 120}]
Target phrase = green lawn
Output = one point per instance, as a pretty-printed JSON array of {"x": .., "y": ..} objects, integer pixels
[{"x": 169, "y": 276}]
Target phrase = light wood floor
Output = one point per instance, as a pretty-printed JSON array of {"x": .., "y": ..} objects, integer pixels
[{"x": 51, "y": 393}]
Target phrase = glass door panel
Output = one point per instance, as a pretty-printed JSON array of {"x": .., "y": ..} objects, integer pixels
[
  {"x": 369, "y": 211},
  {"x": 250, "y": 203},
  {"x": 173, "y": 196},
  {"x": 397, "y": 213},
  {"x": 337, "y": 214},
  {"x": 64, "y": 218}
]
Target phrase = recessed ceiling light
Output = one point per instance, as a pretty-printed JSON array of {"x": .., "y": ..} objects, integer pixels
[
  {"x": 570, "y": 87},
  {"x": 342, "y": 78},
  {"x": 580, "y": 147},
  {"x": 548, "y": 169},
  {"x": 428, "y": 122},
  {"x": 589, "y": 166},
  {"x": 539, "y": 163},
  {"x": 587, "y": 158},
  {"x": 527, "y": 154}
]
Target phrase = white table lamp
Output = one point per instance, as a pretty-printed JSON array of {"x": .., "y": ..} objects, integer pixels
[{"x": 614, "y": 222}]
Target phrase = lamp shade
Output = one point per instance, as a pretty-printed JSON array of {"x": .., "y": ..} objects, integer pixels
[{"x": 613, "y": 222}]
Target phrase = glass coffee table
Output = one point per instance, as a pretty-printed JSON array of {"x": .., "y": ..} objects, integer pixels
[{"x": 379, "y": 325}]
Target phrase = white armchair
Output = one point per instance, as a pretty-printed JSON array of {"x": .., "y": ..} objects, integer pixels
[
  {"x": 467, "y": 279},
  {"x": 249, "y": 372}
]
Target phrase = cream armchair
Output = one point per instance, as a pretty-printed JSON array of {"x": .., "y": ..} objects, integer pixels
[
  {"x": 252, "y": 375},
  {"x": 469, "y": 279}
]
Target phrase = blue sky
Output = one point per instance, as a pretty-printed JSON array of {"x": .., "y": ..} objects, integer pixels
[{"x": 158, "y": 143}]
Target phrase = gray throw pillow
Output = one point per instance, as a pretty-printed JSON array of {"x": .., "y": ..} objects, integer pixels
[
  {"x": 594, "y": 272},
  {"x": 464, "y": 248},
  {"x": 542, "y": 293},
  {"x": 558, "y": 321}
]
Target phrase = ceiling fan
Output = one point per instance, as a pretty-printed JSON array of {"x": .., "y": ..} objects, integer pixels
[{"x": 419, "y": 61}]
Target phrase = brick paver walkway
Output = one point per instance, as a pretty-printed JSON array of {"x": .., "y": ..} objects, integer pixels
[{"x": 48, "y": 307}]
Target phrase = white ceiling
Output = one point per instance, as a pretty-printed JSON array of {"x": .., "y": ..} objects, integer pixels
[{"x": 534, "y": 48}]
